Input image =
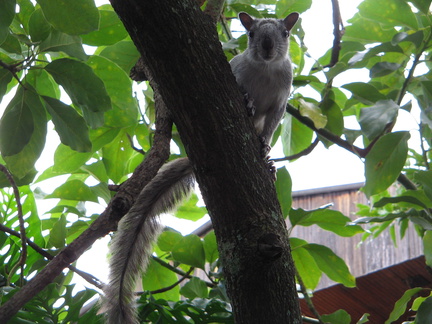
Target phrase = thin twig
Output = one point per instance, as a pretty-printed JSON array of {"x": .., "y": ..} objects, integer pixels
[
  {"x": 86, "y": 276},
  {"x": 307, "y": 298},
  {"x": 162, "y": 290},
  {"x": 23, "y": 256},
  {"x": 140, "y": 151},
  {"x": 306, "y": 151},
  {"x": 338, "y": 31}
]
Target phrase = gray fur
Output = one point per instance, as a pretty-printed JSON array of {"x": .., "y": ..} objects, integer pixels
[
  {"x": 264, "y": 71},
  {"x": 130, "y": 256}
]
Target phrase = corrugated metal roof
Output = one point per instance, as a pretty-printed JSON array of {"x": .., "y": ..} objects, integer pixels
[{"x": 375, "y": 293}]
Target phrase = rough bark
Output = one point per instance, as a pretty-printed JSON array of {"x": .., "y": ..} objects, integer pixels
[{"x": 182, "y": 53}]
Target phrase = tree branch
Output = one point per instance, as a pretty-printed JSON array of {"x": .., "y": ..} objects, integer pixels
[
  {"x": 306, "y": 151},
  {"x": 338, "y": 31},
  {"x": 107, "y": 221},
  {"x": 23, "y": 256}
]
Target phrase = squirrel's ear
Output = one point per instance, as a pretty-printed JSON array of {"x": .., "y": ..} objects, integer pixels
[
  {"x": 290, "y": 20},
  {"x": 246, "y": 20}
]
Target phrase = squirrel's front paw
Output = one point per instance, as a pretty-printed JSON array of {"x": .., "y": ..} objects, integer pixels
[
  {"x": 271, "y": 167},
  {"x": 249, "y": 103}
]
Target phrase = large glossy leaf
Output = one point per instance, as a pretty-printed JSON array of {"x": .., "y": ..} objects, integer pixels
[
  {"x": 295, "y": 136},
  {"x": 7, "y": 13},
  {"x": 43, "y": 83},
  {"x": 425, "y": 179},
  {"x": 427, "y": 247},
  {"x": 116, "y": 156},
  {"x": 283, "y": 189},
  {"x": 367, "y": 31},
  {"x": 119, "y": 87},
  {"x": 157, "y": 277},
  {"x": 190, "y": 250},
  {"x": 332, "y": 265},
  {"x": 58, "y": 233},
  {"x": 194, "y": 288},
  {"x": 71, "y": 17},
  {"x": 313, "y": 112},
  {"x": 57, "y": 41},
  {"x": 81, "y": 84},
  {"x": 422, "y": 5},
  {"x": 424, "y": 313},
  {"x": 364, "y": 92},
  {"x": 284, "y": 7},
  {"x": 374, "y": 119},
  {"x": 110, "y": 31},
  {"x": 330, "y": 220},
  {"x": 210, "y": 247},
  {"x": 74, "y": 190},
  {"x": 389, "y": 12},
  {"x": 70, "y": 126},
  {"x": 17, "y": 122},
  {"x": 340, "y": 316},
  {"x": 39, "y": 28},
  {"x": 385, "y": 162},
  {"x": 383, "y": 68},
  {"x": 401, "y": 305},
  {"x": 5, "y": 78},
  {"x": 124, "y": 54},
  {"x": 189, "y": 210},
  {"x": 305, "y": 264}
]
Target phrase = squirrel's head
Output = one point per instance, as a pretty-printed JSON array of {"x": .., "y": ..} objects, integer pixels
[{"x": 268, "y": 38}]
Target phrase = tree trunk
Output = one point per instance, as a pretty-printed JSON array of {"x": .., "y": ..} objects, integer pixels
[{"x": 183, "y": 55}]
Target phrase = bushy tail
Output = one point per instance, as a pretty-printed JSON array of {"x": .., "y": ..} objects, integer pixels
[{"x": 131, "y": 245}]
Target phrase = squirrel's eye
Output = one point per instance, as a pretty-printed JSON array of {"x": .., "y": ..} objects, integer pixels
[
  {"x": 285, "y": 33},
  {"x": 251, "y": 34}
]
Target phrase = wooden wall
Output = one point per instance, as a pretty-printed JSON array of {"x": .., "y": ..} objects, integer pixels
[{"x": 361, "y": 257}]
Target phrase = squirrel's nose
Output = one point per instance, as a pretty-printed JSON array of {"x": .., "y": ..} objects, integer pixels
[{"x": 267, "y": 43}]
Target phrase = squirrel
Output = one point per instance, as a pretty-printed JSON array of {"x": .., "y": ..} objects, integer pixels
[{"x": 264, "y": 74}]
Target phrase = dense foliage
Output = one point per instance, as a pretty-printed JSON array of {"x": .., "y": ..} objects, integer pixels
[{"x": 50, "y": 82}]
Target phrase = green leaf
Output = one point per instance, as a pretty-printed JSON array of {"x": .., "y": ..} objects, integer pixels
[
  {"x": 74, "y": 190},
  {"x": 340, "y": 317},
  {"x": 116, "y": 156},
  {"x": 70, "y": 126},
  {"x": 427, "y": 247},
  {"x": 71, "y": 17},
  {"x": 210, "y": 247},
  {"x": 425, "y": 179},
  {"x": 335, "y": 122},
  {"x": 284, "y": 7},
  {"x": 43, "y": 83},
  {"x": 119, "y": 87},
  {"x": 7, "y": 14},
  {"x": 190, "y": 250},
  {"x": 58, "y": 233},
  {"x": 424, "y": 313},
  {"x": 330, "y": 220},
  {"x": 401, "y": 305},
  {"x": 367, "y": 31},
  {"x": 389, "y": 12},
  {"x": 313, "y": 112},
  {"x": 332, "y": 265},
  {"x": 385, "y": 161},
  {"x": 283, "y": 189},
  {"x": 168, "y": 240},
  {"x": 383, "y": 68},
  {"x": 364, "y": 319},
  {"x": 411, "y": 199},
  {"x": 374, "y": 119},
  {"x": 422, "y": 5},
  {"x": 17, "y": 122},
  {"x": 295, "y": 136},
  {"x": 67, "y": 160},
  {"x": 189, "y": 210},
  {"x": 39, "y": 28},
  {"x": 124, "y": 54},
  {"x": 61, "y": 42},
  {"x": 157, "y": 277},
  {"x": 111, "y": 30},
  {"x": 5, "y": 78},
  {"x": 22, "y": 164},
  {"x": 194, "y": 288},
  {"x": 364, "y": 92},
  {"x": 305, "y": 265},
  {"x": 86, "y": 90}
]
